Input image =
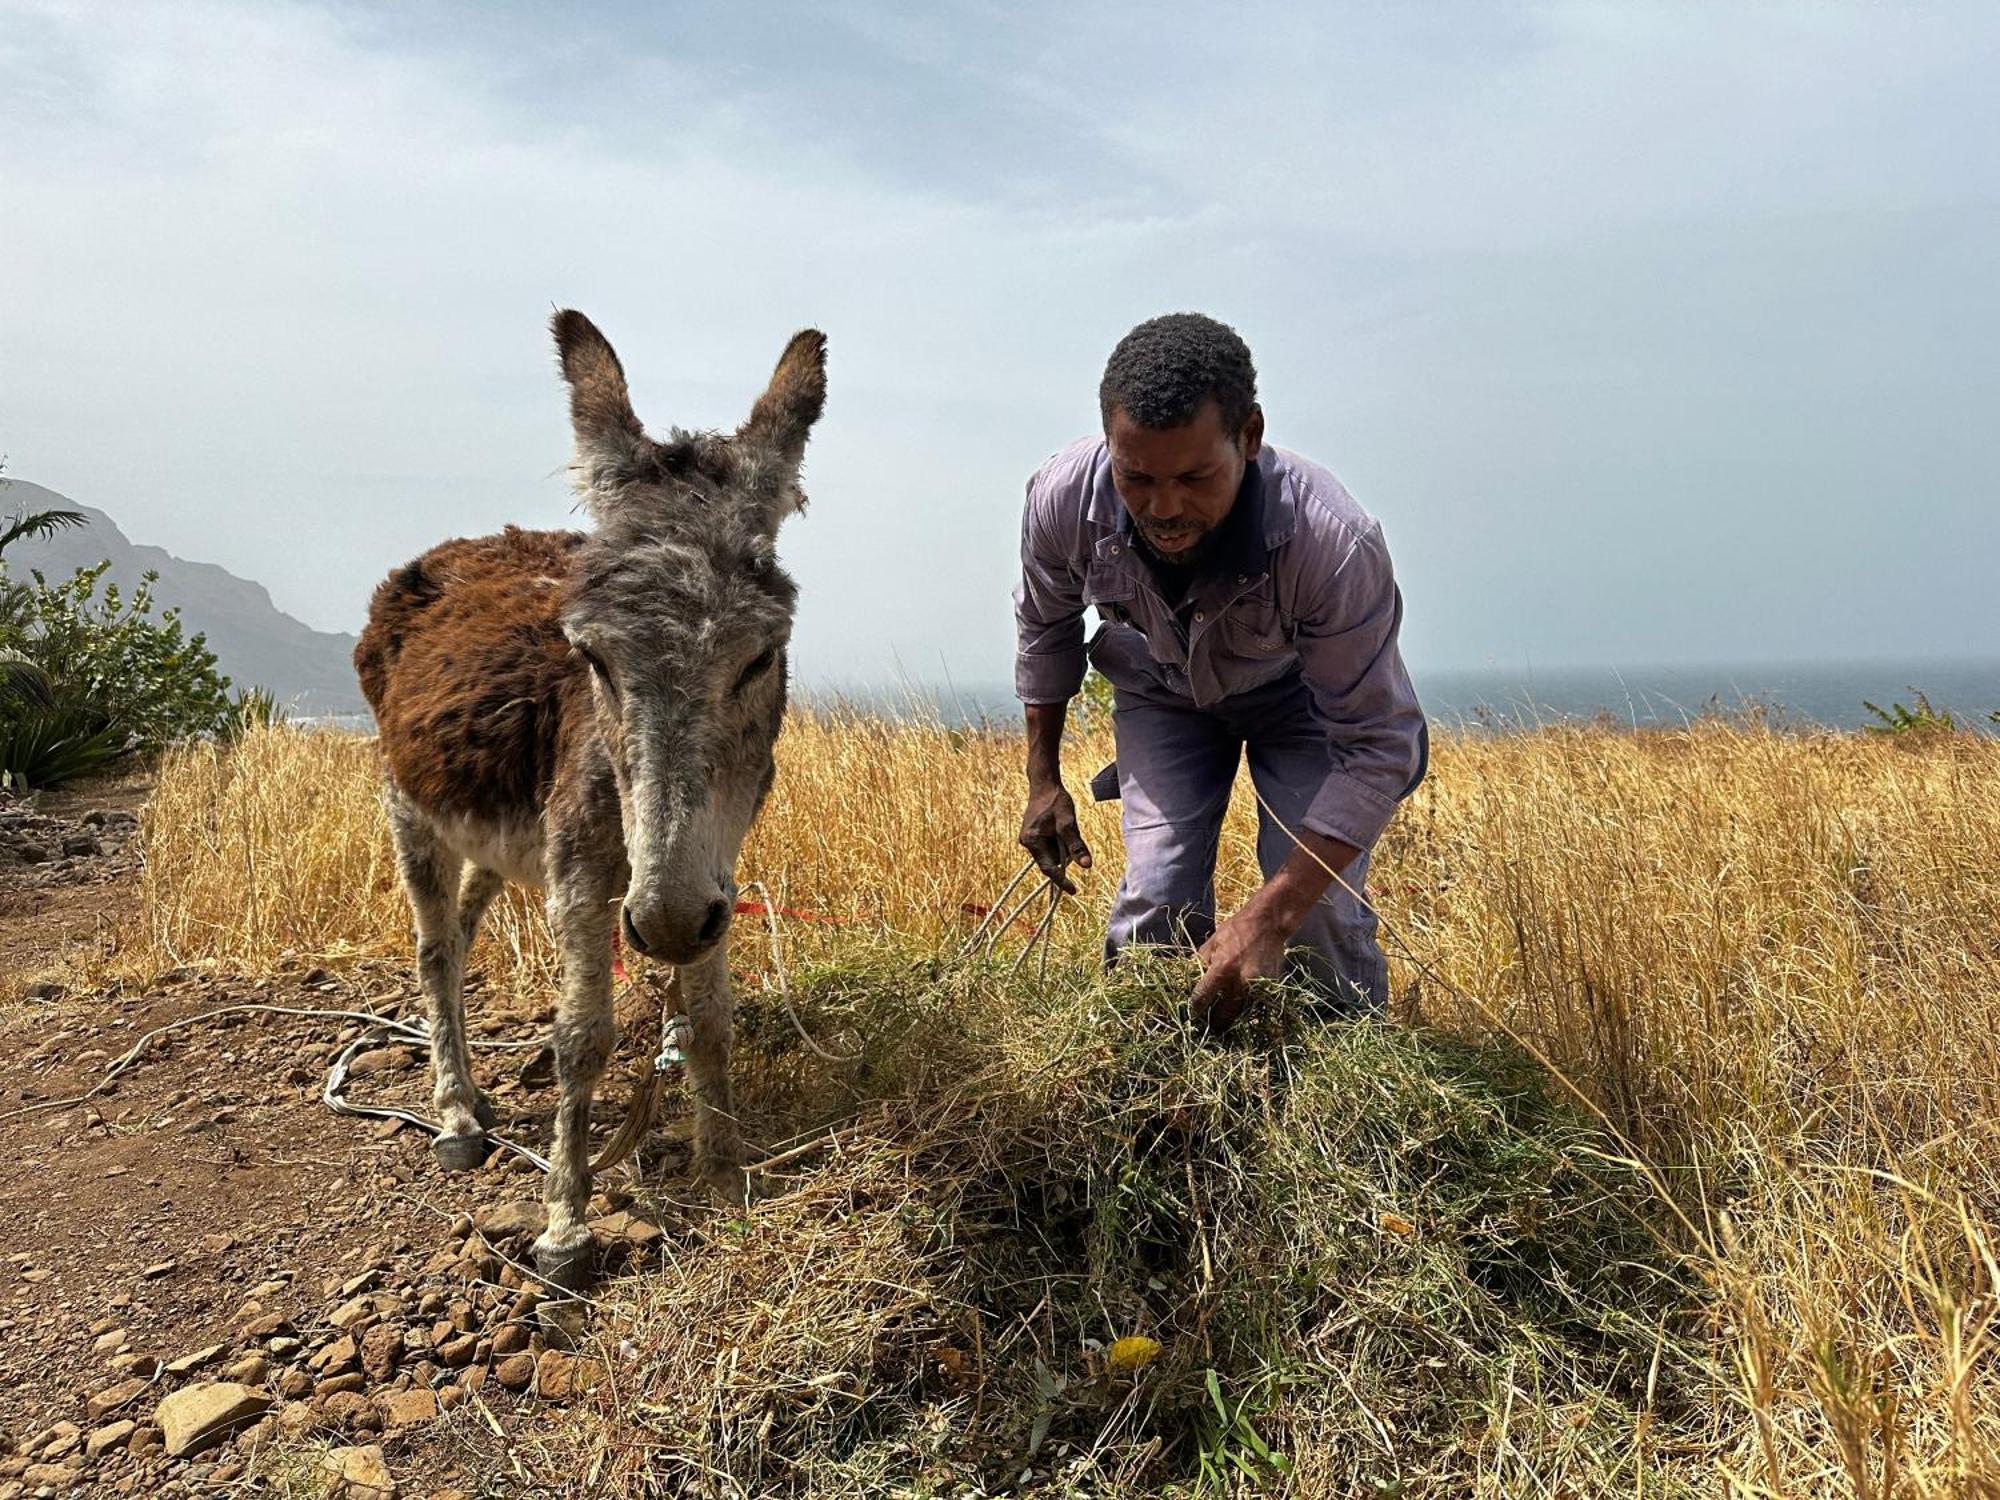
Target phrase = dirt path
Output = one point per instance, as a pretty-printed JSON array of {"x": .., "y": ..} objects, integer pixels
[{"x": 206, "y": 1237}]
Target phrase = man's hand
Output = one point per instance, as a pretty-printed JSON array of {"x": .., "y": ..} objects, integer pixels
[
  {"x": 1050, "y": 834},
  {"x": 1248, "y": 947}
]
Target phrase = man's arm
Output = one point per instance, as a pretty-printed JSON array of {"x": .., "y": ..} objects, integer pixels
[
  {"x": 1049, "y": 664},
  {"x": 1048, "y": 829},
  {"x": 1349, "y": 620}
]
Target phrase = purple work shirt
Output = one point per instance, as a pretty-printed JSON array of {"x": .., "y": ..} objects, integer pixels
[{"x": 1318, "y": 599}]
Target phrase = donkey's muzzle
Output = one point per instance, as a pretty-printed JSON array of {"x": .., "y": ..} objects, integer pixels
[{"x": 674, "y": 942}]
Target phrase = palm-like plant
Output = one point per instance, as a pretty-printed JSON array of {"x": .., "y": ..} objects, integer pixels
[{"x": 27, "y": 525}]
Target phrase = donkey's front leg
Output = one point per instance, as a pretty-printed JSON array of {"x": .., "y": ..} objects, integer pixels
[
  {"x": 584, "y": 1036},
  {"x": 718, "y": 1137}
]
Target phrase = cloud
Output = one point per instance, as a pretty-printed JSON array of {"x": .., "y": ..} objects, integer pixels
[{"x": 274, "y": 278}]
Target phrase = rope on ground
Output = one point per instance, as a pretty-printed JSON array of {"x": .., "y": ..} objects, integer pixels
[
  {"x": 334, "y": 1094},
  {"x": 113, "y": 1069}
]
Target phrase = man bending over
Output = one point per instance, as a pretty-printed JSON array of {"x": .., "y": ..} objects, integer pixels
[{"x": 1246, "y": 602}]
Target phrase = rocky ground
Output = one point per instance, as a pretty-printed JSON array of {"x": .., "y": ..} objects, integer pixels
[{"x": 209, "y": 1280}]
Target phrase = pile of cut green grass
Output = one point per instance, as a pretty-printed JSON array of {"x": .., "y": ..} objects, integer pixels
[{"x": 1368, "y": 1261}]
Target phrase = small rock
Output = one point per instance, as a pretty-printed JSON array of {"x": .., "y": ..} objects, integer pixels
[
  {"x": 380, "y": 1350},
  {"x": 196, "y": 1359},
  {"x": 297, "y": 1419},
  {"x": 44, "y": 1478},
  {"x": 96, "y": 1408},
  {"x": 511, "y": 1220},
  {"x": 409, "y": 1408},
  {"x": 516, "y": 1372},
  {"x": 334, "y": 1385},
  {"x": 55, "y": 1442},
  {"x": 158, "y": 1269},
  {"x": 558, "y": 1377},
  {"x": 632, "y": 1230},
  {"x": 116, "y": 1435},
  {"x": 336, "y": 1356},
  {"x": 253, "y": 1369},
  {"x": 294, "y": 1385},
  {"x": 144, "y": 1441},
  {"x": 265, "y": 1326},
  {"x": 109, "y": 1343},
  {"x": 360, "y": 1473},
  {"x": 456, "y": 1353},
  {"x": 197, "y": 1416},
  {"x": 512, "y": 1338},
  {"x": 363, "y": 1309},
  {"x": 284, "y": 1346},
  {"x": 346, "y": 1411}
]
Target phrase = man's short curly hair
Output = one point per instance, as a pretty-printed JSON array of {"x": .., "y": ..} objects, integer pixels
[{"x": 1164, "y": 369}]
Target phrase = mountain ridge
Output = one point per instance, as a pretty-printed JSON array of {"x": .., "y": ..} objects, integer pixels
[{"x": 255, "y": 642}]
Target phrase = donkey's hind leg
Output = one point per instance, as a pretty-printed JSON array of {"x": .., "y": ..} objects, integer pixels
[
  {"x": 475, "y": 894},
  {"x": 430, "y": 874},
  {"x": 585, "y": 1033}
]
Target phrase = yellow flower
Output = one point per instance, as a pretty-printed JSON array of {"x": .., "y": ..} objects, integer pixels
[{"x": 1132, "y": 1353}]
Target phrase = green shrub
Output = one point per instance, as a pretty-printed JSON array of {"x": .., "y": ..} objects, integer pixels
[{"x": 88, "y": 674}]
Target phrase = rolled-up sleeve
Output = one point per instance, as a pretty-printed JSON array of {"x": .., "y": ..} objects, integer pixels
[
  {"x": 1048, "y": 604},
  {"x": 1348, "y": 653}
]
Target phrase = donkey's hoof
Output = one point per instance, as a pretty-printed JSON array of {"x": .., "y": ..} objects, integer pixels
[
  {"x": 483, "y": 1112},
  {"x": 460, "y": 1153},
  {"x": 730, "y": 1185},
  {"x": 568, "y": 1268}
]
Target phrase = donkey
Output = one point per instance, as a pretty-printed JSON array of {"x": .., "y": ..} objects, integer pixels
[{"x": 592, "y": 715}]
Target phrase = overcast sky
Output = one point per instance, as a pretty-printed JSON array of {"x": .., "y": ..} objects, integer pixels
[{"x": 1651, "y": 332}]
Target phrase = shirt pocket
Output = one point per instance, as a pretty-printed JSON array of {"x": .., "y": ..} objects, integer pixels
[
  {"x": 1255, "y": 629},
  {"x": 1109, "y": 589},
  {"x": 1122, "y": 605}
]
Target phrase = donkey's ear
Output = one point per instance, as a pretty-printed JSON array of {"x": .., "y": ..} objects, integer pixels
[
  {"x": 599, "y": 405},
  {"x": 792, "y": 402}
]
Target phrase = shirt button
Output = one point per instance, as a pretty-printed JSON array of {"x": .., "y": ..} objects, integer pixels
[
  {"x": 1199, "y": 616},
  {"x": 1242, "y": 578}
]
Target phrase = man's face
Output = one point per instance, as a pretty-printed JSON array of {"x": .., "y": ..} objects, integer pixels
[{"x": 1179, "y": 482}]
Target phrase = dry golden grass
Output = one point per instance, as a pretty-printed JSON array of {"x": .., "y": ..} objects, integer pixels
[{"x": 1772, "y": 963}]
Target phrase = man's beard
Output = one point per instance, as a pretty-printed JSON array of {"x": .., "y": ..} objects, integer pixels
[{"x": 1186, "y": 557}]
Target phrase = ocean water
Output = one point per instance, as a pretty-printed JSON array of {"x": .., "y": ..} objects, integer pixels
[
  {"x": 1830, "y": 695},
  {"x": 1833, "y": 695}
]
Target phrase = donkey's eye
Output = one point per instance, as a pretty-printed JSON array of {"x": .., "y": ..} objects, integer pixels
[{"x": 756, "y": 669}]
